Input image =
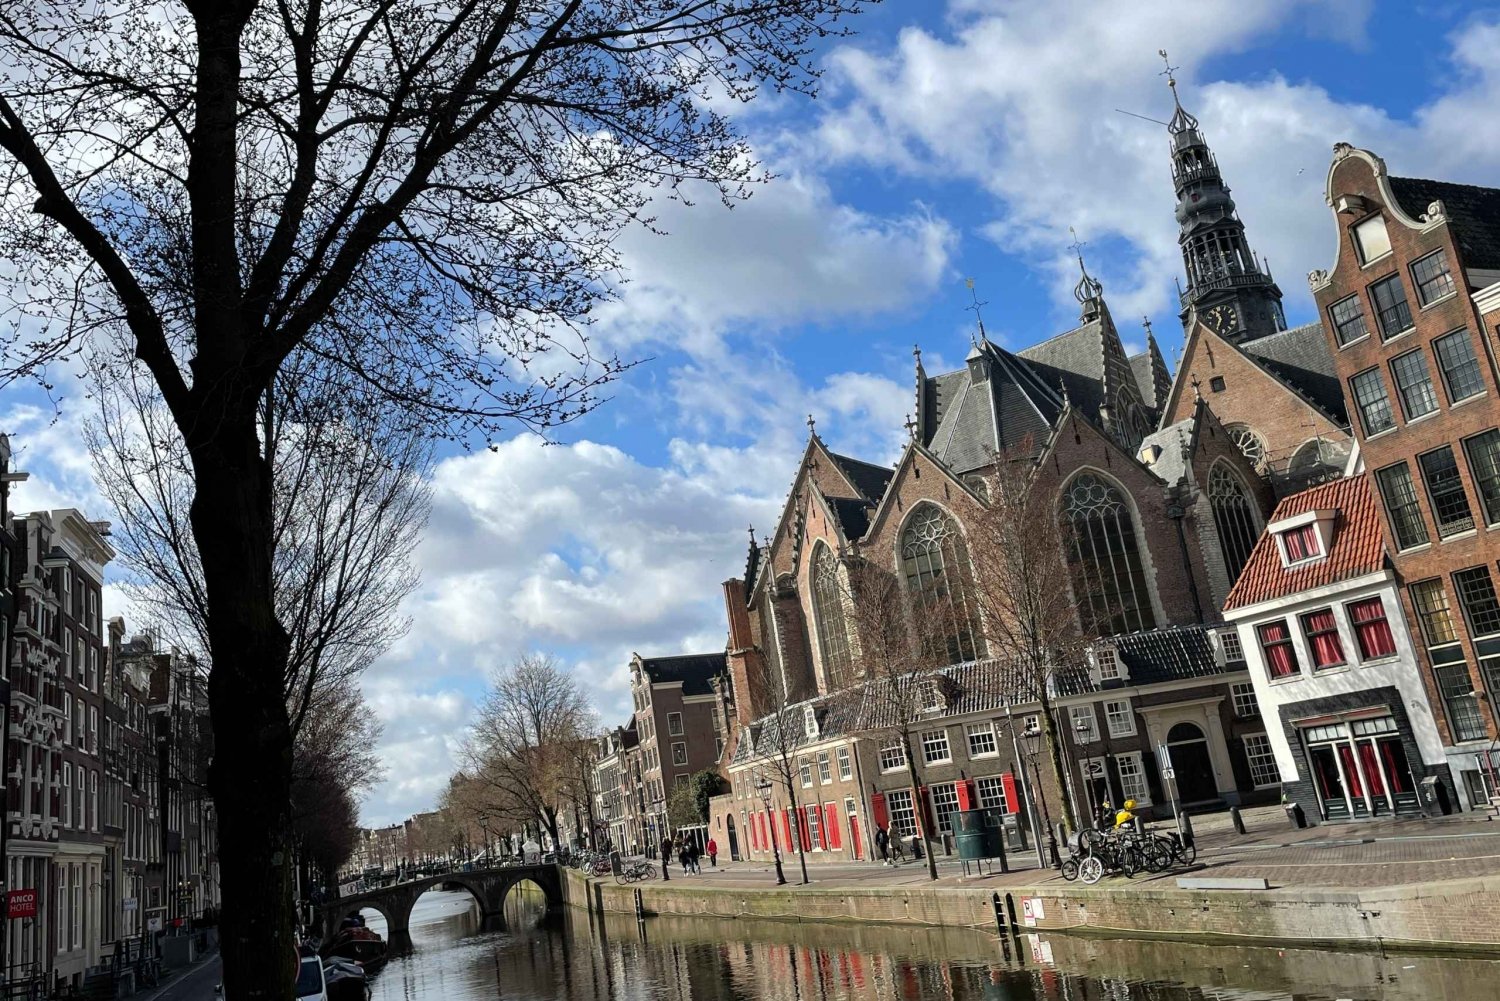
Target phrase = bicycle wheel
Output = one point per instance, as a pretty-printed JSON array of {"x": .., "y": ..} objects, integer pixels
[
  {"x": 1070, "y": 869},
  {"x": 623, "y": 876},
  {"x": 647, "y": 872},
  {"x": 1156, "y": 857},
  {"x": 1188, "y": 854},
  {"x": 1091, "y": 870},
  {"x": 1130, "y": 861}
]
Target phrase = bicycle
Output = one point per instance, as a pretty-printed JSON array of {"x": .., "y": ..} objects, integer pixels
[
  {"x": 636, "y": 871},
  {"x": 601, "y": 867}
]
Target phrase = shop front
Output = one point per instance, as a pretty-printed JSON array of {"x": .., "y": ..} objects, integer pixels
[{"x": 1359, "y": 766}]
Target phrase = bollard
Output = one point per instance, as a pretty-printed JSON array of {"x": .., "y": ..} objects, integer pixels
[
  {"x": 1187, "y": 830},
  {"x": 1139, "y": 825},
  {"x": 1236, "y": 819}
]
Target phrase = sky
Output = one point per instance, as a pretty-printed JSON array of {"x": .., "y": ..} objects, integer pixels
[{"x": 952, "y": 140}]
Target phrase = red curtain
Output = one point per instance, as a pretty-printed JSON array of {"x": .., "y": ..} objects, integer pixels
[
  {"x": 1323, "y": 637},
  {"x": 1372, "y": 768},
  {"x": 1301, "y": 543},
  {"x": 1371, "y": 629},
  {"x": 1012, "y": 801},
  {"x": 1351, "y": 773},
  {"x": 1395, "y": 765},
  {"x": 1275, "y": 640}
]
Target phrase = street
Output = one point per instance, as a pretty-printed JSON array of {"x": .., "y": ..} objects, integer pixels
[{"x": 196, "y": 984}]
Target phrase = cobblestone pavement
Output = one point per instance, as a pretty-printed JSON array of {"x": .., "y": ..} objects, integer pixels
[{"x": 1372, "y": 853}]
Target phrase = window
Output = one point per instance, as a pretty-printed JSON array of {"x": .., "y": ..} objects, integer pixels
[
  {"x": 93, "y": 730},
  {"x": 1133, "y": 777},
  {"x": 935, "y": 747},
  {"x": 67, "y": 796},
  {"x": 94, "y": 801},
  {"x": 1450, "y": 504},
  {"x": 805, "y": 767},
  {"x": 1250, "y": 444},
  {"x": 936, "y": 565},
  {"x": 1431, "y": 277},
  {"x": 1109, "y": 663},
  {"x": 1281, "y": 656},
  {"x": 813, "y": 813},
  {"x": 1460, "y": 702},
  {"x": 1348, "y": 320},
  {"x": 1085, "y": 724},
  {"x": 1108, "y": 572},
  {"x": 846, "y": 768},
  {"x": 1216, "y": 383},
  {"x": 1476, "y": 595},
  {"x": 892, "y": 756},
  {"x": 1414, "y": 384},
  {"x": 810, "y": 722},
  {"x": 1322, "y": 632},
  {"x": 903, "y": 815},
  {"x": 1263, "y": 770},
  {"x": 678, "y": 781},
  {"x": 1391, "y": 311},
  {"x": 830, "y": 616},
  {"x": 944, "y": 805},
  {"x": 825, "y": 768},
  {"x": 1234, "y": 519},
  {"x": 1401, "y": 506},
  {"x": 1371, "y": 401},
  {"x": 981, "y": 739},
  {"x": 1371, "y": 239},
  {"x": 1119, "y": 717},
  {"x": 679, "y": 752},
  {"x": 1484, "y": 466},
  {"x": 1461, "y": 374},
  {"x": 1371, "y": 630},
  {"x": 1229, "y": 640},
  {"x": 1244, "y": 699},
  {"x": 674, "y": 724},
  {"x": 1301, "y": 544},
  {"x": 990, "y": 791}
]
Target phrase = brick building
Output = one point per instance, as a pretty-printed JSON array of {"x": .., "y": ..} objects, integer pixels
[
  {"x": 619, "y": 790},
  {"x": 1410, "y": 309},
  {"x": 678, "y": 730}
]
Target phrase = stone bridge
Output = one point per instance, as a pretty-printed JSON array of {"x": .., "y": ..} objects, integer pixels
[{"x": 489, "y": 888}]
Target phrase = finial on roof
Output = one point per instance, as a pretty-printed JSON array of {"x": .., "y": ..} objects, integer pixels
[
  {"x": 752, "y": 535},
  {"x": 1197, "y": 391},
  {"x": 1088, "y": 289},
  {"x": 1146, "y": 322},
  {"x": 812, "y": 426},
  {"x": 978, "y": 316},
  {"x": 1181, "y": 120},
  {"x": 911, "y": 427},
  {"x": 916, "y": 352}
]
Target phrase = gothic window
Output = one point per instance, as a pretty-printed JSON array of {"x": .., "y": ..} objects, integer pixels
[
  {"x": 935, "y": 561},
  {"x": 1248, "y": 442},
  {"x": 832, "y": 622},
  {"x": 1107, "y": 561},
  {"x": 1234, "y": 518}
]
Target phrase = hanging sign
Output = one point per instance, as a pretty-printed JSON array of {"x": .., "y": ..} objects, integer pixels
[{"x": 21, "y": 903}]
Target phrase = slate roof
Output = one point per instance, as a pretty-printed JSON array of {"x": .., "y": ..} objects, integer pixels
[
  {"x": 976, "y": 686},
  {"x": 870, "y": 479},
  {"x": 1473, "y": 213},
  {"x": 1077, "y": 359},
  {"x": 1151, "y": 657},
  {"x": 1299, "y": 358},
  {"x": 1175, "y": 441},
  {"x": 1140, "y": 367},
  {"x": 1358, "y": 545},
  {"x": 999, "y": 414},
  {"x": 853, "y": 515},
  {"x": 694, "y": 670}
]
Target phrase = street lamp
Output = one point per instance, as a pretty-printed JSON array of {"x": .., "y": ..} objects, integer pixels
[
  {"x": 764, "y": 788},
  {"x": 656, "y": 808},
  {"x": 1031, "y": 738}
]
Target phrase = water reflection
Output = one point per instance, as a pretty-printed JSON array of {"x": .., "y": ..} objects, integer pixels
[{"x": 573, "y": 957}]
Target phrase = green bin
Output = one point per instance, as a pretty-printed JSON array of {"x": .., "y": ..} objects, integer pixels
[{"x": 977, "y": 834}]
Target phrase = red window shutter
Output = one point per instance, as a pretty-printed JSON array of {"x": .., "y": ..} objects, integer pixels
[
  {"x": 925, "y": 806},
  {"x": 832, "y": 836},
  {"x": 964, "y": 788},
  {"x": 1012, "y": 801},
  {"x": 878, "y": 809},
  {"x": 802, "y": 833}
]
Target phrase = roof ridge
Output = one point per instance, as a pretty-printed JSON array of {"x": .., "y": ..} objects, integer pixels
[
  {"x": 1065, "y": 333},
  {"x": 1446, "y": 184}
]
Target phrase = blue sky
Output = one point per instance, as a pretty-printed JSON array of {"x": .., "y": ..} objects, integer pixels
[{"x": 952, "y": 140}]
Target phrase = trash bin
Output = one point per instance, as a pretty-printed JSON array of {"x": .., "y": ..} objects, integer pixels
[
  {"x": 1295, "y": 815},
  {"x": 615, "y": 865},
  {"x": 977, "y": 835},
  {"x": 916, "y": 847}
]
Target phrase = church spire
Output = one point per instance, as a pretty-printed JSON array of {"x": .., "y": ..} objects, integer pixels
[
  {"x": 1089, "y": 291},
  {"x": 1230, "y": 289}
]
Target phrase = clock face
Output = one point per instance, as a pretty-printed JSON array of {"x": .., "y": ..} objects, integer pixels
[{"x": 1222, "y": 318}]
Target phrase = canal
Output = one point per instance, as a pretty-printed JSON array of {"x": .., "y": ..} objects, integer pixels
[{"x": 574, "y": 957}]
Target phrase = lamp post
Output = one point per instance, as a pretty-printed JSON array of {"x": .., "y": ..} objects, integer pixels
[
  {"x": 1031, "y": 738},
  {"x": 764, "y": 788},
  {"x": 660, "y": 835}
]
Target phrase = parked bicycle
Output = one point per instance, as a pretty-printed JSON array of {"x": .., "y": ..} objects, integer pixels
[
  {"x": 1093, "y": 854},
  {"x": 634, "y": 871}
]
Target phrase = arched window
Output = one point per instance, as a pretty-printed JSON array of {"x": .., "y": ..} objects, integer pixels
[
  {"x": 1107, "y": 562},
  {"x": 1316, "y": 461},
  {"x": 1234, "y": 518},
  {"x": 832, "y": 622},
  {"x": 935, "y": 562},
  {"x": 1248, "y": 442}
]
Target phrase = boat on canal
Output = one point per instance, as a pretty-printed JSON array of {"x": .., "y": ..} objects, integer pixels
[{"x": 357, "y": 944}]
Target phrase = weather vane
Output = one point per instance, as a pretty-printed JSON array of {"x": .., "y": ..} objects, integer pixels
[
  {"x": 975, "y": 306},
  {"x": 1170, "y": 71}
]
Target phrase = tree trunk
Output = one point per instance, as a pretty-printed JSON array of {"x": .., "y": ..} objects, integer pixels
[
  {"x": 1054, "y": 755},
  {"x": 791, "y": 797},
  {"x": 250, "y": 775},
  {"x": 916, "y": 795}
]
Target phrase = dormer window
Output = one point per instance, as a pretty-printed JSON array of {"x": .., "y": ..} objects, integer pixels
[
  {"x": 1108, "y": 662},
  {"x": 810, "y": 722},
  {"x": 1300, "y": 544},
  {"x": 1303, "y": 538},
  {"x": 928, "y": 695}
]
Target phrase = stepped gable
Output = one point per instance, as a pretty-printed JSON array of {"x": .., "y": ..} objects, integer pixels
[
  {"x": 1358, "y": 545},
  {"x": 1473, "y": 213},
  {"x": 1299, "y": 359},
  {"x": 696, "y": 671},
  {"x": 997, "y": 405}
]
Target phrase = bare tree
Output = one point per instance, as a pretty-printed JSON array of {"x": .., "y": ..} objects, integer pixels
[
  {"x": 777, "y": 737},
  {"x": 422, "y": 196},
  {"x": 525, "y": 738},
  {"x": 1028, "y": 598}
]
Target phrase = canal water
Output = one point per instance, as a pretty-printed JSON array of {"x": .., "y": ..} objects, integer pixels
[{"x": 576, "y": 957}]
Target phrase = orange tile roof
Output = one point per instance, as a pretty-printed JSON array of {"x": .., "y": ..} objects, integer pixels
[{"x": 1358, "y": 545}]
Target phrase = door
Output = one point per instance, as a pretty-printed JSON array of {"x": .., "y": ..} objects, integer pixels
[
  {"x": 1329, "y": 782},
  {"x": 856, "y": 843},
  {"x": 1191, "y": 763},
  {"x": 734, "y": 841}
]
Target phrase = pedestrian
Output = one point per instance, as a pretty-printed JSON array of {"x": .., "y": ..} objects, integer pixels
[
  {"x": 713, "y": 853},
  {"x": 694, "y": 853},
  {"x": 666, "y": 855},
  {"x": 682, "y": 854},
  {"x": 883, "y": 845}
]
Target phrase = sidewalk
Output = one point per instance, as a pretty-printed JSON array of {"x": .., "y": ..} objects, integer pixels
[{"x": 186, "y": 983}]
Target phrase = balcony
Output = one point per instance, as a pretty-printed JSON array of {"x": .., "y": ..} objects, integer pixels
[{"x": 1249, "y": 279}]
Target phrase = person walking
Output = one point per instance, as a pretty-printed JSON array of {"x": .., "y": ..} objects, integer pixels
[
  {"x": 883, "y": 845},
  {"x": 694, "y": 854},
  {"x": 666, "y": 856},
  {"x": 682, "y": 854},
  {"x": 713, "y": 854}
]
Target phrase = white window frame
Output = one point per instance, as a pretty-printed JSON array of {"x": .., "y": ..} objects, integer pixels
[
  {"x": 1128, "y": 730},
  {"x": 903, "y": 813},
  {"x": 1241, "y": 692},
  {"x": 984, "y": 789},
  {"x": 825, "y": 769},
  {"x": 1085, "y": 713},
  {"x": 674, "y": 724},
  {"x": 1268, "y": 755},
  {"x": 942, "y": 811},
  {"x": 1135, "y": 776},
  {"x": 1109, "y": 663},
  {"x": 804, "y": 770},
  {"x": 1229, "y": 641},
  {"x": 936, "y": 750},
  {"x": 679, "y": 744},
  {"x": 984, "y": 731},
  {"x": 67, "y": 796},
  {"x": 846, "y": 766}
]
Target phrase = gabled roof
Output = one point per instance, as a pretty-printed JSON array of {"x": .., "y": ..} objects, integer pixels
[
  {"x": 1473, "y": 213},
  {"x": 1358, "y": 545},
  {"x": 1077, "y": 359},
  {"x": 694, "y": 670},
  {"x": 1299, "y": 359},
  {"x": 869, "y": 479},
  {"x": 997, "y": 414},
  {"x": 1152, "y": 657}
]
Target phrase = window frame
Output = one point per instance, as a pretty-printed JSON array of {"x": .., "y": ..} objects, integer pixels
[
  {"x": 1286, "y": 641},
  {"x": 846, "y": 766},
  {"x": 1358, "y": 626},
  {"x": 1241, "y": 695},
  {"x": 1397, "y": 306},
  {"x": 1268, "y": 754},
  {"x": 1452, "y": 488},
  {"x": 985, "y": 789},
  {"x": 1470, "y": 617},
  {"x": 674, "y": 724},
  {"x": 1415, "y": 362},
  {"x": 936, "y": 742},
  {"x": 1427, "y": 610},
  {"x": 683, "y": 745},
  {"x": 891, "y": 751},
  {"x": 1363, "y": 407},
  {"x": 1358, "y": 318},
  {"x": 984, "y": 729},
  {"x": 1359, "y": 243},
  {"x": 1128, "y": 715},
  {"x": 1084, "y": 713},
  {"x": 1446, "y": 274},
  {"x": 1133, "y": 783},
  {"x": 825, "y": 768},
  {"x": 1472, "y": 364},
  {"x": 1310, "y": 636},
  {"x": 1481, "y": 480}
]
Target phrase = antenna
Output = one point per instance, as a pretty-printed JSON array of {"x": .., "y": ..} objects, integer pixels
[{"x": 975, "y": 306}]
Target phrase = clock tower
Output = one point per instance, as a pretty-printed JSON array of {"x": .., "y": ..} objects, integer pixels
[{"x": 1230, "y": 288}]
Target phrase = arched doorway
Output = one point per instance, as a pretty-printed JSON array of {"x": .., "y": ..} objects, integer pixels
[
  {"x": 1192, "y": 764},
  {"x": 734, "y": 841}
]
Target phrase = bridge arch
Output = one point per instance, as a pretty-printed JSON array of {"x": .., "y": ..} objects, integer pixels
[{"x": 489, "y": 887}]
